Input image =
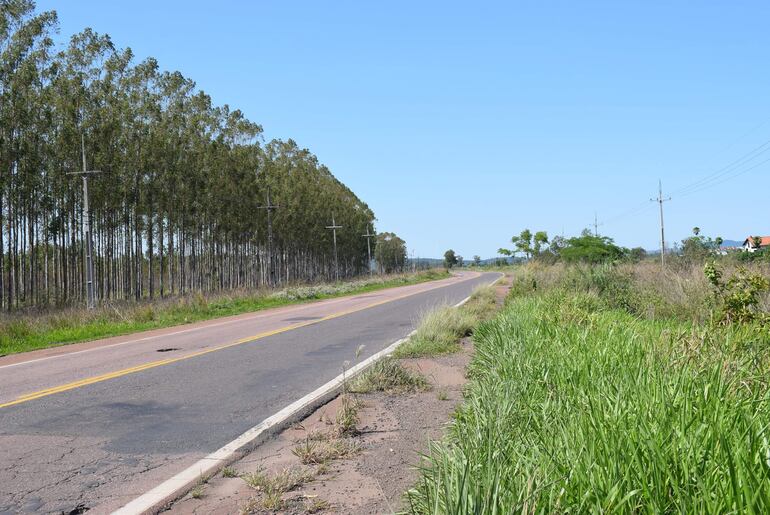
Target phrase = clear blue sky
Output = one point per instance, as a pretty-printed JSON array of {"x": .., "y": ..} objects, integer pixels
[{"x": 463, "y": 123}]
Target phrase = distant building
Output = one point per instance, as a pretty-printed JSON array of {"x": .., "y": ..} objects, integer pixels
[{"x": 749, "y": 245}]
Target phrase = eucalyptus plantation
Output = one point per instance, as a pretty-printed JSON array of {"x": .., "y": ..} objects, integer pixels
[{"x": 177, "y": 207}]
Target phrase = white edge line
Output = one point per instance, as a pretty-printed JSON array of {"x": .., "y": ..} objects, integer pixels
[{"x": 170, "y": 490}]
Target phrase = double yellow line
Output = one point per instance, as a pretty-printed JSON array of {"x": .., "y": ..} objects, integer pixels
[{"x": 153, "y": 364}]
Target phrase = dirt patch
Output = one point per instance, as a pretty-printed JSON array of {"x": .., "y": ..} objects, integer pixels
[{"x": 393, "y": 431}]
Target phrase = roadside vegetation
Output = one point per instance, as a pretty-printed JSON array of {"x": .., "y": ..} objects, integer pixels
[
  {"x": 23, "y": 333},
  {"x": 390, "y": 376},
  {"x": 336, "y": 433},
  {"x": 440, "y": 330},
  {"x": 611, "y": 385}
]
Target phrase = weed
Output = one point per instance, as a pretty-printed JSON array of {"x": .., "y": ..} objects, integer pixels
[
  {"x": 347, "y": 415},
  {"x": 442, "y": 395},
  {"x": 317, "y": 506},
  {"x": 286, "y": 480},
  {"x": 272, "y": 501},
  {"x": 250, "y": 506},
  {"x": 319, "y": 453},
  {"x": 229, "y": 472},
  {"x": 388, "y": 375},
  {"x": 197, "y": 492}
]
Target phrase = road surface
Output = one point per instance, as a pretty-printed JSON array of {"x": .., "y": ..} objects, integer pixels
[{"x": 94, "y": 425}]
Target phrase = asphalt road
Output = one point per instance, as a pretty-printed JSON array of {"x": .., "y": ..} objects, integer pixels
[{"x": 92, "y": 426}]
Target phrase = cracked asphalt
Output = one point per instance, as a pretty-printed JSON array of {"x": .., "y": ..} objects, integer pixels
[{"x": 97, "y": 447}]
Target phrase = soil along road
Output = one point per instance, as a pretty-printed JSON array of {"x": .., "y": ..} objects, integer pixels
[{"x": 96, "y": 426}]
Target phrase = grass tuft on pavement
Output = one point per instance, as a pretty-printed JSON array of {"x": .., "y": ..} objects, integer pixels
[{"x": 390, "y": 376}]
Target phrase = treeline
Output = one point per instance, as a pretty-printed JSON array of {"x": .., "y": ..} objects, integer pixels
[
  {"x": 586, "y": 248},
  {"x": 176, "y": 208}
]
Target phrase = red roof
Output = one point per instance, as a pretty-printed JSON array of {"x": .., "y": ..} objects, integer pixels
[{"x": 764, "y": 241}]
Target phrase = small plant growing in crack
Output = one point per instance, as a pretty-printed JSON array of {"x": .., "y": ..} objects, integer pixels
[
  {"x": 229, "y": 472},
  {"x": 319, "y": 453},
  {"x": 197, "y": 492},
  {"x": 317, "y": 505},
  {"x": 347, "y": 415}
]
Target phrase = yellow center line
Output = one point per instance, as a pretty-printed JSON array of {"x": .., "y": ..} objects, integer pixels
[{"x": 153, "y": 364}]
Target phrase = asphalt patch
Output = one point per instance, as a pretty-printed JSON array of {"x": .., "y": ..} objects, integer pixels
[{"x": 300, "y": 319}]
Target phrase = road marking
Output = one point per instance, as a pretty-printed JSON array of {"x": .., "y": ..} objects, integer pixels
[
  {"x": 173, "y": 488},
  {"x": 241, "y": 318},
  {"x": 153, "y": 364}
]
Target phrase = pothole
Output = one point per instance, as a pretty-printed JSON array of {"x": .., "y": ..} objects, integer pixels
[{"x": 77, "y": 510}]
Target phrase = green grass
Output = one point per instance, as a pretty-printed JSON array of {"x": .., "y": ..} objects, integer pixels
[
  {"x": 24, "y": 333},
  {"x": 577, "y": 407},
  {"x": 440, "y": 330},
  {"x": 390, "y": 376}
]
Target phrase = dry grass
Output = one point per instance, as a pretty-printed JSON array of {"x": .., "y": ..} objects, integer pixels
[
  {"x": 314, "y": 452},
  {"x": 272, "y": 487},
  {"x": 643, "y": 289},
  {"x": 388, "y": 375}
]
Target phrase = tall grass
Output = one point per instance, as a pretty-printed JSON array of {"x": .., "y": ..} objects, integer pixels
[
  {"x": 578, "y": 406},
  {"x": 643, "y": 289},
  {"x": 440, "y": 329},
  {"x": 29, "y": 331}
]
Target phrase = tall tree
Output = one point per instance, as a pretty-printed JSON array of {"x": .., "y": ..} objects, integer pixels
[{"x": 176, "y": 207}]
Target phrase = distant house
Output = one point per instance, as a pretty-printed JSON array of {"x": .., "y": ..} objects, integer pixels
[{"x": 750, "y": 245}]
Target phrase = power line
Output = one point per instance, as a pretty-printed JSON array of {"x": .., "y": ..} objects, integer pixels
[
  {"x": 633, "y": 211},
  {"x": 710, "y": 179},
  {"x": 720, "y": 176},
  {"x": 725, "y": 179}
]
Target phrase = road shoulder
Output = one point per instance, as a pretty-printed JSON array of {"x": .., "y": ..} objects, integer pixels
[{"x": 393, "y": 431}]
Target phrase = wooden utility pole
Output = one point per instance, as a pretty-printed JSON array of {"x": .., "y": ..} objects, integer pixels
[
  {"x": 368, "y": 237},
  {"x": 660, "y": 200},
  {"x": 90, "y": 303},
  {"x": 334, "y": 228},
  {"x": 269, "y": 208}
]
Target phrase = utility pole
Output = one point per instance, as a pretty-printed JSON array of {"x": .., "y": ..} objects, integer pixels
[
  {"x": 368, "y": 237},
  {"x": 87, "y": 226},
  {"x": 334, "y": 228},
  {"x": 269, "y": 208},
  {"x": 596, "y": 225},
  {"x": 660, "y": 200}
]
